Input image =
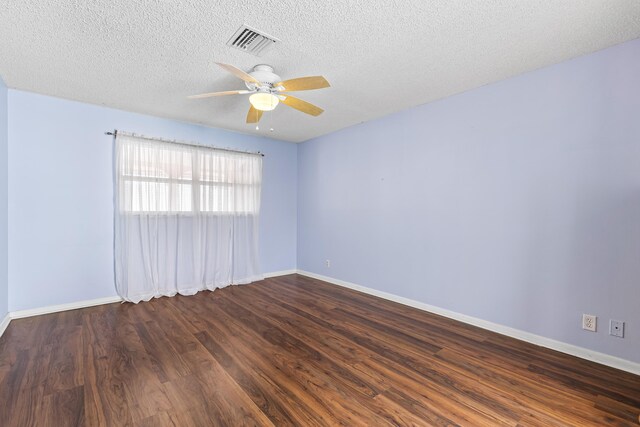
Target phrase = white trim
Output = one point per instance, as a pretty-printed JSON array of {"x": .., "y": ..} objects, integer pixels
[
  {"x": 279, "y": 273},
  {"x": 583, "y": 353},
  {"x": 63, "y": 307},
  {"x": 5, "y": 323},
  {"x": 573, "y": 350},
  {"x": 90, "y": 303}
]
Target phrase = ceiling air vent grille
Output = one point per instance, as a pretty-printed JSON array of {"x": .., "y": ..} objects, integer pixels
[{"x": 252, "y": 41}]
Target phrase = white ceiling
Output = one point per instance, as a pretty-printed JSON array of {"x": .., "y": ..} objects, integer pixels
[{"x": 380, "y": 56}]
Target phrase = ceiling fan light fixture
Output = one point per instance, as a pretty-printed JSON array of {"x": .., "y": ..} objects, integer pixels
[
  {"x": 264, "y": 101},
  {"x": 266, "y": 89}
]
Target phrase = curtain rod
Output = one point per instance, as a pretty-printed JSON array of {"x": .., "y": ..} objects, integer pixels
[{"x": 173, "y": 141}]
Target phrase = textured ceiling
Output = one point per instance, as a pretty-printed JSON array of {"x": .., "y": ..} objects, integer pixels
[{"x": 380, "y": 56}]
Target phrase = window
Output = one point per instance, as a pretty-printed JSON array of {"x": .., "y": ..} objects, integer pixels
[{"x": 161, "y": 177}]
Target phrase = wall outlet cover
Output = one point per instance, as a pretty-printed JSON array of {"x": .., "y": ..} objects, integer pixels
[
  {"x": 616, "y": 328},
  {"x": 589, "y": 322}
]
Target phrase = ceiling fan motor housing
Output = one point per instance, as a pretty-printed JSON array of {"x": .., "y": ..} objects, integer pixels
[{"x": 264, "y": 74}]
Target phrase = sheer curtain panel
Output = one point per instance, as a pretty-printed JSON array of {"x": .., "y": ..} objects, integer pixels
[{"x": 186, "y": 218}]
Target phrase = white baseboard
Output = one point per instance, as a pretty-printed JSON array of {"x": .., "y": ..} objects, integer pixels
[
  {"x": 54, "y": 309},
  {"x": 279, "y": 273},
  {"x": 571, "y": 349},
  {"x": 90, "y": 303},
  {"x": 63, "y": 307},
  {"x": 5, "y": 323},
  {"x": 583, "y": 353}
]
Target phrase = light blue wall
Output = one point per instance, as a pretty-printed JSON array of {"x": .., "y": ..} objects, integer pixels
[
  {"x": 60, "y": 196},
  {"x": 517, "y": 203},
  {"x": 4, "y": 290}
]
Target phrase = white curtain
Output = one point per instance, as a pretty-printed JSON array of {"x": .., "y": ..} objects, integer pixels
[{"x": 186, "y": 218}]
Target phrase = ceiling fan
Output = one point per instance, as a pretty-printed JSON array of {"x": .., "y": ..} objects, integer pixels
[{"x": 267, "y": 90}]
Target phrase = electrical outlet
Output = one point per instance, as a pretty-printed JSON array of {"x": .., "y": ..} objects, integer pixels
[
  {"x": 589, "y": 322},
  {"x": 328, "y": 263},
  {"x": 616, "y": 328}
]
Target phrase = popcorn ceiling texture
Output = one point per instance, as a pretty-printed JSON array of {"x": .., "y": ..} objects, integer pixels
[{"x": 380, "y": 56}]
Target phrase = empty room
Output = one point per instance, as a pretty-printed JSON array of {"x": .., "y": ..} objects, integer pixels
[{"x": 303, "y": 213}]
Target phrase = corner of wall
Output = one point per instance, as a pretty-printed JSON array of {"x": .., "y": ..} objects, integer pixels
[{"x": 4, "y": 208}]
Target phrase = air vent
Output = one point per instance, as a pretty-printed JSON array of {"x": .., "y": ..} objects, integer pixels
[{"x": 252, "y": 41}]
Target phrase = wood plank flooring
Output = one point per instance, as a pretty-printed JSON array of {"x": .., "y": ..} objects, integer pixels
[{"x": 292, "y": 351}]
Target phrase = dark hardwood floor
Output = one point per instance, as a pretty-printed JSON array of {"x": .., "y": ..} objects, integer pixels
[{"x": 292, "y": 351}]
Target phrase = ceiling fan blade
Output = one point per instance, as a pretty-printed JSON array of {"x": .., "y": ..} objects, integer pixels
[
  {"x": 254, "y": 115},
  {"x": 301, "y": 105},
  {"x": 239, "y": 73},
  {"x": 229, "y": 92},
  {"x": 304, "y": 83}
]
